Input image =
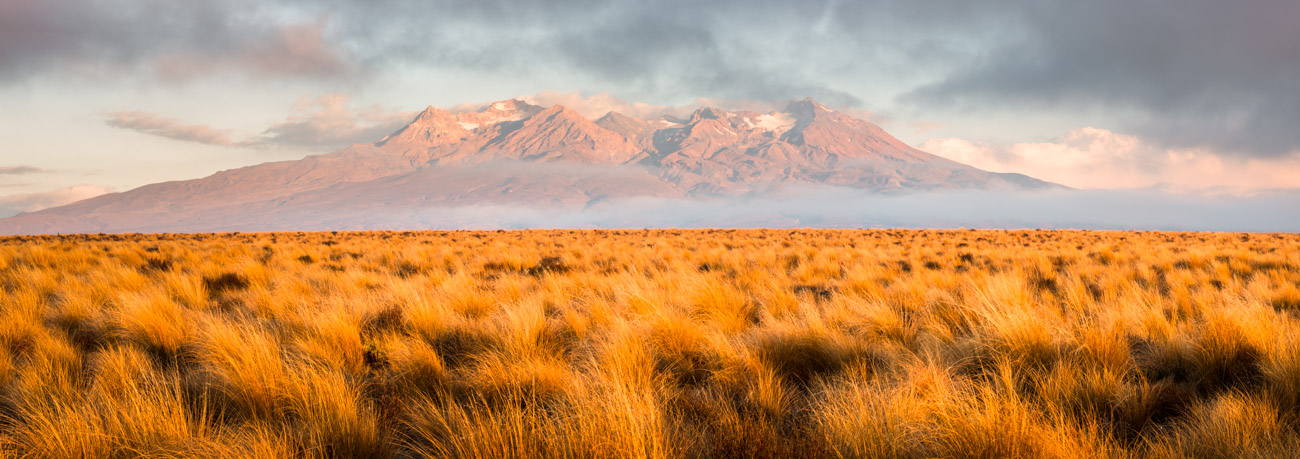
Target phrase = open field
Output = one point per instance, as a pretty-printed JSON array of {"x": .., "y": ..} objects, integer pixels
[{"x": 651, "y": 344}]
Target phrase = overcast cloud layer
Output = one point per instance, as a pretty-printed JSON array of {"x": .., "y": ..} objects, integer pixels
[{"x": 1190, "y": 73}]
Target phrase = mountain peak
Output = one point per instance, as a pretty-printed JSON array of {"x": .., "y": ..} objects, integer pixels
[
  {"x": 613, "y": 116},
  {"x": 562, "y": 112},
  {"x": 433, "y": 126},
  {"x": 806, "y": 108},
  {"x": 561, "y": 133},
  {"x": 508, "y": 106},
  {"x": 636, "y": 130},
  {"x": 432, "y": 113},
  {"x": 502, "y": 110},
  {"x": 708, "y": 113}
]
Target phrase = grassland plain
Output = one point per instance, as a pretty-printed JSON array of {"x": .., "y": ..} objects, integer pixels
[{"x": 651, "y": 343}]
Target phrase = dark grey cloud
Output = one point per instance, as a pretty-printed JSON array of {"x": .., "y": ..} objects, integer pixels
[
  {"x": 1198, "y": 73},
  {"x": 667, "y": 49},
  {"x": 1186, "y": 73},
  {"x": 175, "y": 39}
]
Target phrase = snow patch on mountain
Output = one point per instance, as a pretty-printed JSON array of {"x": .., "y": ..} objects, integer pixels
[{"x": 775, "y": 122}]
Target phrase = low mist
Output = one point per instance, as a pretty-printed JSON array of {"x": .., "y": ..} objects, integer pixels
[{"x": 831, "y": 207}]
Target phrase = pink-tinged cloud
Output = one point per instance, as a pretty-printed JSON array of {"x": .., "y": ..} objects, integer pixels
[
  {"x": 596, "y": 105},
  {"x": 171, "y": 128},
  {"x": 1097, "y": 158},
  {"x": 30, "y": 202},
  {"x": 322, "y": 122},
  {"x": 328, "y": 121},
  {"x": 293, "y": 50},
  {"x": 922, "y": 127}
]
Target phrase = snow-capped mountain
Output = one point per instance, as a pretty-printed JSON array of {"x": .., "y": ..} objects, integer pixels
[{"x": 512, "y": 153}]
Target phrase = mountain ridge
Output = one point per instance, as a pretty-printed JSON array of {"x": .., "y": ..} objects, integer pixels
[{"x": 444, "y": 158}]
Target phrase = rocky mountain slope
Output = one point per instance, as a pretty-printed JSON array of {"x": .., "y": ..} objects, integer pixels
[{"x": 511, "y": 153}]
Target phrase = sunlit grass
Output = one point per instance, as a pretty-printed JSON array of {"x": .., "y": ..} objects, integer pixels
[{"x": 755, "y": 343}]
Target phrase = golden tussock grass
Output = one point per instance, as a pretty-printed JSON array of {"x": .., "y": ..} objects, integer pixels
[{"x": 650, "y": 343}]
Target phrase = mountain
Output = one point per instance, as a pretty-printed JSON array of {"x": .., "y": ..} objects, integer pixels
[{"x": 512, "y": 153}]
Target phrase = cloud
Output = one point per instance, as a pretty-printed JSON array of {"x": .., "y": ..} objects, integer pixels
[
  {"x": 1097, "y": 158},
  {"x": 834, "y": 207},
  {"x": 21, "y": 170},
  {"x": 169, "y": 39},
  {"x": 598, "y": 104},
  {"x": 1185, "y": 74},
  {"x": 669, "y": 49},
  {"x": 171, "y": 128},
  {"x": 30, "y": 202},
  {"x": 297, "y": 50},
  {"x": 326, "y": 121},
  {"x": 657, "y": 49}
]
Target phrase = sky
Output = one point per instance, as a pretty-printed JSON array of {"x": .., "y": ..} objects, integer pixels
[{"x": 1192, "y": 97}]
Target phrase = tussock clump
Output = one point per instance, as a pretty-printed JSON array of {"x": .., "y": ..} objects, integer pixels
[
  {"x": 548, "y": 265},
  {"x": 157, "y": 264},
  {"x": 684, "y": 352},
  {"x": 81, "y": 319},
  {"x": 415, "y": 364},
  {"x": 1044, "y": 282},
  {"x": 154, "y": 323},
  {"x": 800, "y": 356},
  {"x": 382, "y": 320},
  {"x": 518, "y": 382},
  {"x": 225, "y": 282},
  {"x": 334, "y": 417},
  {"x": 857, "y": 419},
  {"x": 1281, "y": 372},
  {"x": 819, "y": 292},
  {"x": 334, "y": 341},
  {"x": 407, "y": 269},
  {"x": 1215, "y": 358},
  {"x": 1153, "y": 403},
  {"x": 1287, "y": 300},
  {"x": 245, "y": 365},
  {"x": 722, "y": 304},
  {"x": 1006, "y": 327},
  {"x": 1225, "y": 359},
  {"x": 461, "y": 344},
  {"x": 1230, "y": 425}
]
